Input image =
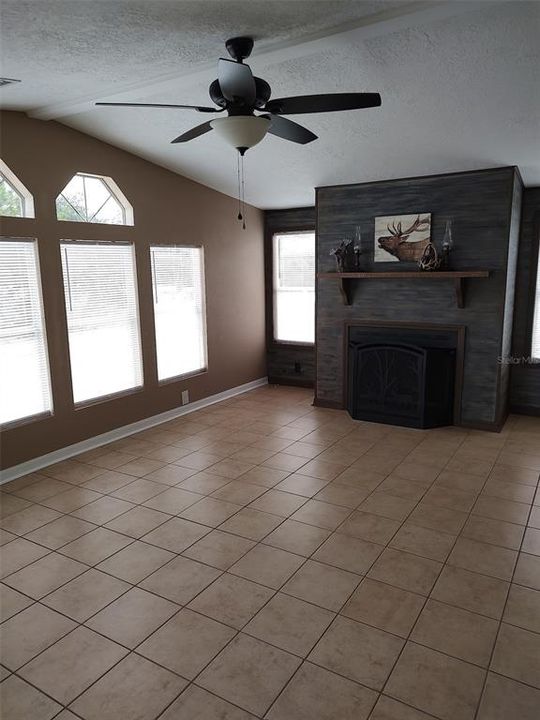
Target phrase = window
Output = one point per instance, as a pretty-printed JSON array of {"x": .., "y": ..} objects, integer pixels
[
  {"x": 102, "y": 319},
  {"x": 24, "y": 378},
  {"x": 179, "y": 310},
  {"x": 294, "y": 287},
  {"x": 15, "y": 200},
  {"x": 11, "y": 201},
  {"x": 535, "y": 348},
  {"x": 93, "y": 199}
]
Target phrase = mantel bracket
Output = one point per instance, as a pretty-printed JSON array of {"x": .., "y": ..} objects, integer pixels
[
  {"x": 459, "y": 284},
  {"x": 346, "y": 290}
]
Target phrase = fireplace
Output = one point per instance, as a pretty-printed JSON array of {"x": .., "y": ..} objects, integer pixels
[{"x": 404, "y": 375}]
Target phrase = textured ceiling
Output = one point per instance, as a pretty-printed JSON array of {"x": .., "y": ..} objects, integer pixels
[
  {"x": 65, "y": 49},
  {"x": 460, "y": 91}
]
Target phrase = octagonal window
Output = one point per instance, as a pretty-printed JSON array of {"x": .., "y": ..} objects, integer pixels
[
  {"x": 15, "y": 199},
  {"x": 93, "y": 199}
]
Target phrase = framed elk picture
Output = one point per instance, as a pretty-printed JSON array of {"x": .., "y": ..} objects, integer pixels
[{"x": 401, "y": 238}]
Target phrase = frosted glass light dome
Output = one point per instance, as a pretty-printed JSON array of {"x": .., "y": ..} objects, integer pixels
[{"x": 241, "y": 131}]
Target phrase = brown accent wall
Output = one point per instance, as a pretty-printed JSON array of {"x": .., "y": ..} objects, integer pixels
[{"x": 168, "y": 208}]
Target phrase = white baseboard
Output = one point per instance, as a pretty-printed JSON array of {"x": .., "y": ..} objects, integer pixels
[{"x": 65, "y": 453}]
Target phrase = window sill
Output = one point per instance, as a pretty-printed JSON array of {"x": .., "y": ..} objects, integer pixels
[
  {"x": 533, "y": 365},
  {"x": 78, "y": 223},
  {"x": 180, "y": 378},
  {"x": 12, "y": 424},
  {"x": 83, "y": 404},
  {"x": 291, "y": 343}
]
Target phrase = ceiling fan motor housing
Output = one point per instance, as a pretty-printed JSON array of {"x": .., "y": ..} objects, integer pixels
[{"x": 262, "y": 90}]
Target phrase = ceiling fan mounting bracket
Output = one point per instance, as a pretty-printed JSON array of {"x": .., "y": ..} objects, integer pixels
[{"x": 239, "y": 48}]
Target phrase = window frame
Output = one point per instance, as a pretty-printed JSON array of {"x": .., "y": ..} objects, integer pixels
[
  {"x": 115, "y": 191},
  {"x": 35, "y": 417},
  {"x": 83, "y": 404},
  {"x": 534, "y": 278},
  {"x": 27, "y": 199},
  {"x": 193, "y": 373},
  {"x": 290, "y": 229}
]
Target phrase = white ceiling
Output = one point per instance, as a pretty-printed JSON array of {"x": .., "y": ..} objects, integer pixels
[{"x": 460, "y": 83}]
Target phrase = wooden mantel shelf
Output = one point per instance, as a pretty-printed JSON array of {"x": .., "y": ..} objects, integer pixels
[{"x": 346, "y": 280}]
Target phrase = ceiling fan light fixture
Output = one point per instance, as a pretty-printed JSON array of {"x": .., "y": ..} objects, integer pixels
[{"x": 241, "y": 131}]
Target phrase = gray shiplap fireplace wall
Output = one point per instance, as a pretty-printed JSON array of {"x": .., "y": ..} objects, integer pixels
[{"x": 484, "y": 207}]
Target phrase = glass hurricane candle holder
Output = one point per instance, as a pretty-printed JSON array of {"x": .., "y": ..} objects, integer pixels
[{"x": 447, "y": 245}]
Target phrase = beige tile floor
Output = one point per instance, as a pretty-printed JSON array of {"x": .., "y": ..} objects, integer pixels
[{"x": 263, "y": 558}]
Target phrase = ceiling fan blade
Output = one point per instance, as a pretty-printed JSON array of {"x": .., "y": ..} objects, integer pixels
[
  {"x": 198, "y": 108},
  {"x": 193, "y": 133},
  {"x": 236, "y": 81},
  {"x": 323, "y": 103},
  {"x": 289, "y": 130}
]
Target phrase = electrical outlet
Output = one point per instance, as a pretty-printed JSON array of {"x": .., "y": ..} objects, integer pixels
[{"x": 185, "y": 397}]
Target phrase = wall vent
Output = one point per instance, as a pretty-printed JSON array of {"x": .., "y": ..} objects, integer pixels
[{"x": 8, "y": 81}]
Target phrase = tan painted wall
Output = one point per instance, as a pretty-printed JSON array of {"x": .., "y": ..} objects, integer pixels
[{"x": 168, "y": 209}]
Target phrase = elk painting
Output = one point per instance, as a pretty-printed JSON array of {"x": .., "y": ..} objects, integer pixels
[{"x": 402, "y": 238}]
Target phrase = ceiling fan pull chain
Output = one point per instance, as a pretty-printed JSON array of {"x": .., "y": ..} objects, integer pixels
[
  {"x": 239, "y": 188},
  {"x": 243, "y": 194}
]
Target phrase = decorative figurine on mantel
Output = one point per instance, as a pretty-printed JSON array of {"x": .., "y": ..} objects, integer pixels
[
  {"x": 431, "y": 260},
  {"x": 347, "y": 256}
]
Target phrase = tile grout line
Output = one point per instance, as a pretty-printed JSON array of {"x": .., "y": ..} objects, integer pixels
[
  {"x": 260, "y": 541},
  {"x": 511, "y": 582},
  {"x": 428, "y": 597},
  {"x": 408, "y": 639},
  {"x": 129, "y": 652},
  {"x": 365, "y": 575}
]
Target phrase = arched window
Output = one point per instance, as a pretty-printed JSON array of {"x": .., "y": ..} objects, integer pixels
[
  {"x": 93, "y": 199},
  {"x": 15, "y": 199}
]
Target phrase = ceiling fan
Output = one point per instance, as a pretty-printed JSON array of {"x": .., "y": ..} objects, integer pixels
[{"x": 240, "y": 94}]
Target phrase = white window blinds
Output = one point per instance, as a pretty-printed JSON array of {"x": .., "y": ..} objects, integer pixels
[
  {"x": 535, "y": 351},
  {"x": 24, "y": 373},
  {"x": 294, "y": 287},
  {"x": 179, "y": 310},
  {"x": 102, "y": 319}
]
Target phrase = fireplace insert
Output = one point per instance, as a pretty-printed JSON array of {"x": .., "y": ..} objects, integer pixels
[{"x": 401, "y": 384}]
